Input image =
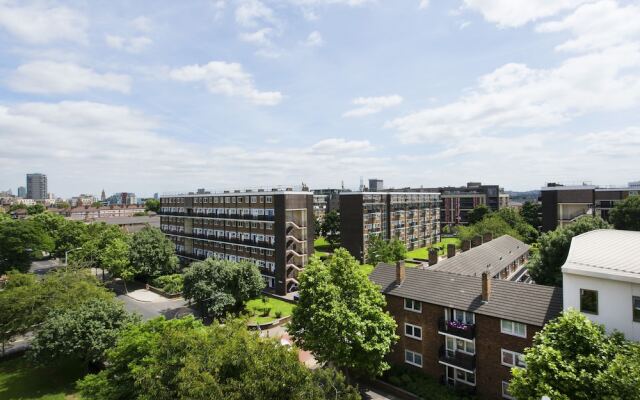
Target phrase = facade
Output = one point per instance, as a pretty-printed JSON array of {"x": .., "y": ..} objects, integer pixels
[
  {"x": 86, "y": 213},
  {"x": 273, "y": 229},
  {"x": 601, "y": 278},
  {"x": 37, "y": 186},
  {"x": 413, "y": 218},
  {"x": 457, "y": 202},
  {"x": 122, "y": 198},
  {"x": 82, "y": 200},
  {"x": 22, "y": 191},
  {"x": 562, "y": 205},
  {"x": 326, "y": 200},
  {"x": 376, "y": 185},
  {"x": 465, "y": 331}
]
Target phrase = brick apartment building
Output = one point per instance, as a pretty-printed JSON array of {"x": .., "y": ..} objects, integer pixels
[
  {"x": 462, "y": 328},
  {"x": 413, "y": 218},
  {"x": 457, "y": 202},
  {"x": 562, "y": 205},
  {"x": 273, "y": 229}
]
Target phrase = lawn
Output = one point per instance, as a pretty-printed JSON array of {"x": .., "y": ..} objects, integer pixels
[
  {"x": 424, "y": 253},
  {"x": 21, "y": 381},
  {"x": 322, "y": 247},
  {"x": 257, "y": 308}
]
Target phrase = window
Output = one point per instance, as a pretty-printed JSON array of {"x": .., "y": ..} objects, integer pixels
[
  {"x": 454, "y": 344},
  {"x": 413, "y": 331},
  {"x": 466, "y": 377},
  {"x": 513, "y": 359},
  {"x": 463, "y": 316},
  {"x": 269, "y": 199},
  {"x": 589, "y": 301},
  {"x": 513, "y": 328},
  {"x": 412, "y": 305},
  {"x": 505, "y": 391},
  {"x": 636, "y": 309},
  {"x": 413, "y": 358}
]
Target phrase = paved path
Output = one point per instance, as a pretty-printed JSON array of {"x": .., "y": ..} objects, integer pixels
[{"x": 169, "y": 308}]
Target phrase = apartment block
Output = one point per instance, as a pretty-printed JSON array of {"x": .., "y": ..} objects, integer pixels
[
  {"x": 413, "y": 218},
  {"x": 562, "y": 205},
  {"x": 465, "y": 331},
  {"x": 325, "y": 201},
  {"x": 37, "y": 186},
  {"x": 273, "y": 229},
  {"x": 601, "y": 278},
  {"x": 457, "y": 202}
]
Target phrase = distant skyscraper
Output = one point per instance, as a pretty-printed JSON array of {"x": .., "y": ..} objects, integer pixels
[
  {"x": 375, "y": 185},
  {"x": 22, "y": 192},
  {"x": 37, "y": 186},
  {"x": 103, "y": 196}
]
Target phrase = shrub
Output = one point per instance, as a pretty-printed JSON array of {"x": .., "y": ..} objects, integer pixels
[
  {"x": 421, "y": 385},
  {"x": 278, "y": 314},
  {"x": 169, "y": 283},
  {"x": 265, "y": 311}
]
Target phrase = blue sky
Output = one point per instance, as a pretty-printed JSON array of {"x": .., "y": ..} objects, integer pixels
[{"x": 157, "y": 96}]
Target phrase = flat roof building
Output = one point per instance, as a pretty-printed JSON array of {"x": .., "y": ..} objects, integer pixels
[{"x": 37, "y": 186}]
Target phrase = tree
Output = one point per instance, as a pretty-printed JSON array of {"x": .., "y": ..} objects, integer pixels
[
  {"x": 511, "y": 216},
  {"x": 531, "y": 213},
  {"x": 545, "y": 266},
  {"x": 340, "y": 316},
  {"x": 573, "y": 358},
  {"x": 16, "y": 302},
  {"x": 67, "y": 235},
  {"x": 152, "y": 253},
  {"x": 331, "y": 227},
  {"x": 626, "y": 214},
  {"x": 478, "y": 213},
  {"x": 96, "y": 204},
  {"x": 100, "y": 236},
  {"x": 493, "y": 224},
  {"x": 380, "y": 250},
  {"x": 115, "y": 258},
  {"x": 182, "y": 359},
  {"x": 82, "y": 333},
  {"x": 152, "y": 205},
  {"x": 317, "y": 227},
  {"x": 220, "y": 286},
  {"x": 35, "y": 209},
  {"x": 20, "y": 241}
]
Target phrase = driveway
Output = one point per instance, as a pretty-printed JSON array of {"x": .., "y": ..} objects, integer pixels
[{"x": 151, "y": 306}]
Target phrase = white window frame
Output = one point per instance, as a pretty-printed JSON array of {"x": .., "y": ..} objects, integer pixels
[
  {"x": 512, "y": 331},
  {"x": 504, "y": 394},
  {"x": 514, "y": 355},
  {"x": 412, "y": 307},
  {"x": 455, "y": 344},
  {"x": 413, "y": 328},
  {"x": 413, "y": 358}
]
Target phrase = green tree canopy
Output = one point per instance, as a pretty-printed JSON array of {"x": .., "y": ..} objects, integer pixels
[
  {"x": 574, "y": 359},
  {"x": 380, "y": 250},
  {"x": 115, "y": 258},
  {"x": 152, "y": 205},
  {"x": 182, "y": 359},
  {"x": 152, "y": 253},
  {"x": 221, "y": 286},
  {"x": 83, "y": 332},
  {"x": 67, "y": 235},
  {"x": 331, "y": 227},
  {"x": 20, "y": 241},
  {"x": 493, "y": 224},
  {"x": 340, "y": 316},
  {"x": 35, "y": 209},
  {"x": 545, "y": 266},
  {"x": 478, "y": 213},
  {"x": 626, "y": 214},
  {"x": 531, "y": 213},
  {"x": 100, "y": 236}
]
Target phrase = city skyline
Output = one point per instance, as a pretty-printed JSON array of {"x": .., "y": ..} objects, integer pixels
[{"x": 172, "y": 97}]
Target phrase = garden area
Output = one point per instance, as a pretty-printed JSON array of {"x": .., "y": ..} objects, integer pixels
[
  {"x": 423, "y": 252},
  {"x": 266, "y": 309},
  {"x": 421, "y": 385},
  {"x": 21, "y": 381},
  {"x": 322, "y": 247}
]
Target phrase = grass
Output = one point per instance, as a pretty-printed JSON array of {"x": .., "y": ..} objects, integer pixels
[
  {"x": 256, "y": 307},
  {"x": 442, "y": 245},
  {"x": 21, "y": 381},
  {"x": 322, "y": 247}
]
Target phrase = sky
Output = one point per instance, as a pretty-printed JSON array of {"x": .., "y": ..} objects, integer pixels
[{"x": 170, "y": 96}]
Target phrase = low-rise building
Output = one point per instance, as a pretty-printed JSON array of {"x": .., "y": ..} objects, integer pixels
[
  {"x": 91, "y": 213},
  {"x": 465, "y": 331},
  {"x": 601, "y": 278}
]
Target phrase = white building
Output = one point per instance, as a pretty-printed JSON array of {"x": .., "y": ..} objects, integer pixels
[{"x": 601, "y": 278}]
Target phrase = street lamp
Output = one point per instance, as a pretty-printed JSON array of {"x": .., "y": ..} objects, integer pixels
[{"x": 66, "y": 256}]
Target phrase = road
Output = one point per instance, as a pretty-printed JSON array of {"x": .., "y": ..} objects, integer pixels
[
  {"x": 40, "y": 268},
  {"x": 169, "y": 308}
]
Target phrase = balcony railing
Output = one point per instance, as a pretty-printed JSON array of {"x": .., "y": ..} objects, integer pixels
[
  {"x": 460, "y": 329},
  {"x": 219, "y": 215},
  {"x": 457, "y": 359},
  {"x": 248, "y": 242}
]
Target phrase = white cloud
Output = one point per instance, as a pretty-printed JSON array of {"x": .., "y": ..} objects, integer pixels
[
  {"x": 372, "y": 105},
  {"x": 314, "y": 39},
  {"x": 49, "y": 77},
  {"x": 142, "y": 24},
  {"x": 130, "y": 45},
  {"x": 516, "y": 96},
  {"x": 339, "y": 145},
  {"x": 225, "y": 78},
  {"x": 252, "y": 12},
  {"x": 39, "y": 23},
  {"x": 424, "y": 4},
  {"x": 352, "y": 3},
  {"x": 514, "y": 13},
  {"x": 597, "y": 26},
  {"x": 260, "y": 37}
]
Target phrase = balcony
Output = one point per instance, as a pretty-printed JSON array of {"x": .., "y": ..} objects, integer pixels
[
  {"x": 457, "y": 359},
  {"x": 459, "y": 329}
]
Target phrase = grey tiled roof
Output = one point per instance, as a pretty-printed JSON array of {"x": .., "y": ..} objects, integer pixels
[
  {"x": 497, "y": 254},
  {"x": 521, "y": 302}
]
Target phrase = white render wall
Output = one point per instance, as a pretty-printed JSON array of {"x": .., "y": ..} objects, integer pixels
[{"x": 615, "y": 307}]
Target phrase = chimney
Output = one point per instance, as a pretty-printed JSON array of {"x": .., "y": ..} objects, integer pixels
[
  {"x": 487, "y": 237},
  {"x": 451, "y": 250},
  {"x": 476, "y": 241},
  {"x": 486, "y": 287},
  {"x": 400, "y": 272},
  {"x": 466, "y": 245},
  {"x": 433, "y": 256}
]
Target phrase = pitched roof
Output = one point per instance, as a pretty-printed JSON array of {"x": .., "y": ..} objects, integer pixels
[
  {"x": 521, "y": 302},
  {"x": 605, "y": 253},
  {"x": 496, "y": 254}
]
